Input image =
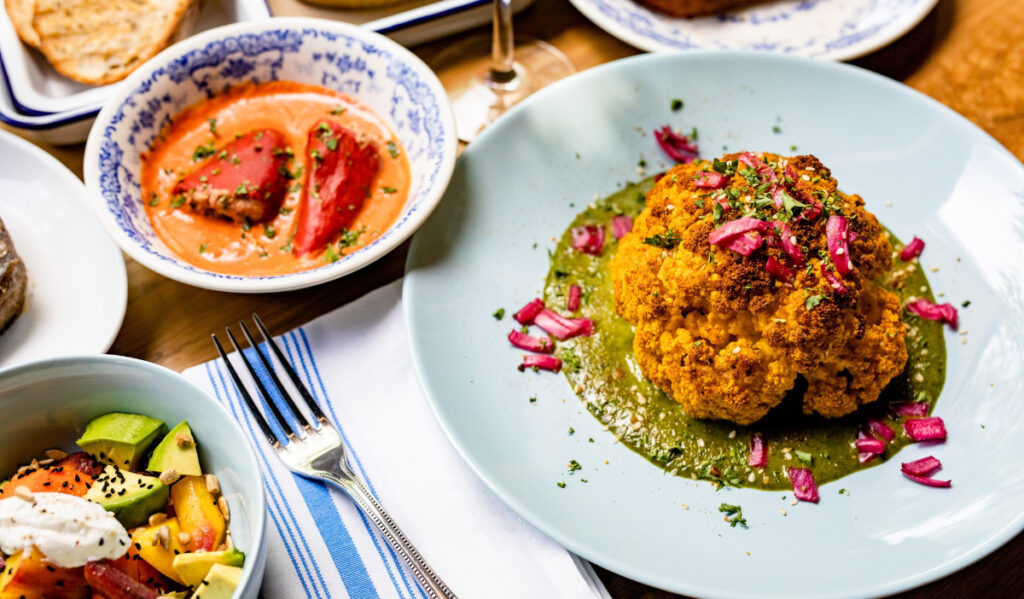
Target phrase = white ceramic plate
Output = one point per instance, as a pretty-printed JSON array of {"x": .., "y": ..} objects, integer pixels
[
  {"x": 77, "y": 289},
  {"x": 827, "y": 29},
  {"x": 948, "y": 182}
]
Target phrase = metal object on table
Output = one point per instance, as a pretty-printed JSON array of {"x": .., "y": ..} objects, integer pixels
[{"x": 314, "y": 449}]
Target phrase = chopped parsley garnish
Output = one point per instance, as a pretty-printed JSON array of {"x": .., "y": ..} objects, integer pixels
[
  {"x": 349, "y": 237},
  {"x": 269, "y": 232},
  {"x": 574, "y": 466},
  {"x": 331, "y": 143},
  {"x": 386, "y": 189},
  {"x": 499, "y": 314},
  {"x": 177, "y": 201},
  {"x": 572, "y": 430},
  {"x": 790, "y": 203},
  {"x": 804, "y": 456},
  {"x": 776, "y": 129},
  {"x": 716, "y": 212},
  {"x": 393, "y": 149},
  {"x": 734, "y": 513},
  {"x": 258, "y": 136},
  {"x": 202, "y": 247},
  {"x": 204, "y": 151},
  {"x": 338, "y": 110},
  {"x": 676, "y": 105},
  {"x": 812, "y": 301},
  {"x": 533, "y": 400},
  {"x": 724, "y": 168},
  {"x": 315, "y": 154},
  {"x": 561, "y": 485},
  {"x": 965, "y": 303},
  {"x": 285, "y": 211},
  {"x": 330, "y": 256},
  {"x": 667, "y": 241},
  {"x": 153, "y": 199},
  {"x": 242, "y": 190},
  {"x": 213, "y": 126}
]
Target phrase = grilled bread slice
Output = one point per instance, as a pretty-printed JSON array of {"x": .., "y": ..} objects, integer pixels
[
  {"x": 21, "y": 13},
  {"x": 102, "y": 41}
]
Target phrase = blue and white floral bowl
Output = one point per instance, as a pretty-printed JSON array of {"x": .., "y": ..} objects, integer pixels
[{"x": 378, "y": 72}]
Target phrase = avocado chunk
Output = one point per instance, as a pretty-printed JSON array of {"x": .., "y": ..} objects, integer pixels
[
  {"x": 220, "y": 583},
  {"x": 120, "y": 439},
  {"x": 177, "y": 451},
  {"x": 131, "y": 497},
  {"x": 193, "y": 567}
]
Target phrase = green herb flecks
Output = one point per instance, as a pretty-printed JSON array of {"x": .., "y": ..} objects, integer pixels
[
  {"x": 499, "y": 314},
  {"x": 804, "y": 456},
  {"x": 676, "y": 105},
  {"x": 350, "y": 237},
  {"x": 393, "y": 149},
  {"x": 812, "y": 301},
  {"x": 734, "y": 513},
  {"x": 667, "y": 241},
  {"x": 204, "y": 151},
  {"x": 338, "y": 110}
]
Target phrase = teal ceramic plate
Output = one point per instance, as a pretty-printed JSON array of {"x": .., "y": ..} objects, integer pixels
[{"x": 921, "y": 168}]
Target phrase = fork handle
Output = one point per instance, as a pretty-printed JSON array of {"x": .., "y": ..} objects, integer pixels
[{"x": 425, "y": 575}]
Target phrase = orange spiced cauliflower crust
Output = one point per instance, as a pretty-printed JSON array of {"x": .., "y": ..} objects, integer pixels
[{"x": 716, "y": 331}]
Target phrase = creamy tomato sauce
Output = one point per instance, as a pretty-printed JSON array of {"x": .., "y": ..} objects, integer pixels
[{"x": 263, "y": 249}]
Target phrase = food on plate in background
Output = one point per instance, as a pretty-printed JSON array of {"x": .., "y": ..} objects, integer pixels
[
  {"x": 94, "y": 523},
  {"x": 13, "y": 280},
  {"x": 100, "y": 42},
  {"x": 273, "y": 178},
  {"x": 696, "y": 8}
]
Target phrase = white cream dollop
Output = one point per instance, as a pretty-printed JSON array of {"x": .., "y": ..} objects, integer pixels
[{"x": 69, "y": 531}]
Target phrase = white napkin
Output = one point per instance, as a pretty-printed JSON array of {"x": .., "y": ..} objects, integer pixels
[{"x": 320, "y": 545}]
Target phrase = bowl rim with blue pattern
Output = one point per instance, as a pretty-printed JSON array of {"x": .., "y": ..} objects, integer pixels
[
  {"x": 47, "y": 404},
  {"x": 363, "y": 64}
]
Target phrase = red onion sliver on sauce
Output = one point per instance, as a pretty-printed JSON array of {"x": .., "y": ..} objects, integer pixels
[
  {"x": 521, "y": 340},
  {"x": 736, "y": 227},
  {"x": 926, "y": 429},
  {"x": 930, "y": 482},
  {"x": 527, "y": 313},
  {"x": 621, "y": 225},
  {"x": 804, "y": 487},
  {"x": 542, "y": 362},
  {"x": 864, "y": 457},
  {"x": 572, "y": 303},
  {"x": 709, "y": 180},
  {"x": 909, "y": 408},
  {"x": 758, "y": 457},
  {"x": 561, "y": 327},
  {"x": 677, "y": 147},
  {"x": 588, "y": 239},
  {"x": 912, "y": 250},
  {"x": 779, "y": 270},
  {"x": 922, "y": 467},
  {"x": 942, "y": 312},
  {"x": 881, "y": 429},
  {"x": 870, "y": 445},
  {"x": 837, "y": 232}
]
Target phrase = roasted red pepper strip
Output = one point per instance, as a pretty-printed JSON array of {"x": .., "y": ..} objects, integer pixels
[
  {"x": 115, "y": 584},
  {"x": 339, "y": 174},
  {"x": 244, "y": 181}
]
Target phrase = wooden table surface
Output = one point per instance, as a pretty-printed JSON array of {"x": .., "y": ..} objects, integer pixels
[{"x": 968, "y": 54}]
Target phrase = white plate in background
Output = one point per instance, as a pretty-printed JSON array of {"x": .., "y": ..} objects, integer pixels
[
  {"x": 826, "y": 29},
  {"x": 77, "y": 288}
]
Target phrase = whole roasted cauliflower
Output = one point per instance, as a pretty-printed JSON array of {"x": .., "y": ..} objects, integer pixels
[{"x": 746, "y": 271}]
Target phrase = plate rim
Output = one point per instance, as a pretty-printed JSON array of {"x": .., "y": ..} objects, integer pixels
[
  {"x": 904, "y": 23},
  {"x": 120, "y": 294},
  {"x": 1011, "y": 528}
]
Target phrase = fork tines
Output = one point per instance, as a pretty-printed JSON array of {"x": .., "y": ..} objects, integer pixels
[{"x": 267, "y": 365}]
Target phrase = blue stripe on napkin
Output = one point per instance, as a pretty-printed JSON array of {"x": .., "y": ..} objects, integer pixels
[
  {"x": 303, "y": 350},
  {"x": 337, "y": 539}
]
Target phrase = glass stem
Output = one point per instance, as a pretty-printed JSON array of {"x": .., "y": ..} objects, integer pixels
[{"x": 502, "y": 68}]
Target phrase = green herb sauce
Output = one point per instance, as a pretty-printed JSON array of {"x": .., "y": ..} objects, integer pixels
[{"x": 606, "y": 377}]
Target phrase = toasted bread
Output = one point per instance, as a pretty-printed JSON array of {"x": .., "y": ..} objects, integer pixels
[
  {"x": 102, "y": 41},
  {"x": 21, "y": 13}
]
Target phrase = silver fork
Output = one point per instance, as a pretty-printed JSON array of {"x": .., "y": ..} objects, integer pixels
[{"x": 315, "y": 450}]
